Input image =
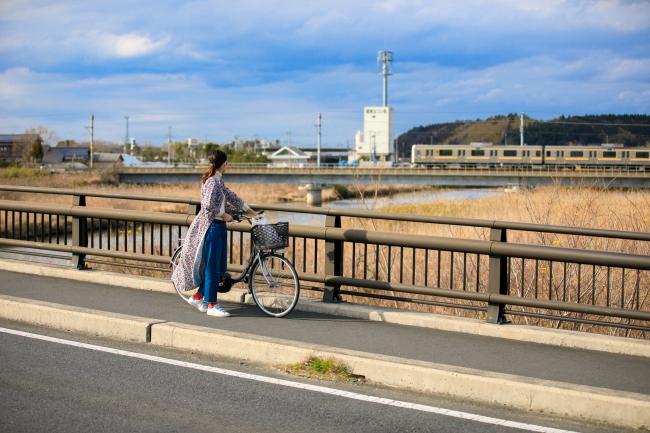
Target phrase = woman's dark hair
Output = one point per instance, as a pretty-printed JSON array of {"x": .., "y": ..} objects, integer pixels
[{"x": 216, "y": 159}]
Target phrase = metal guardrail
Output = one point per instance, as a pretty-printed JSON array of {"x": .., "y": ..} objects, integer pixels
[
  {"x": 493, "y": 276},
  {"x": 470, "y": 222}
]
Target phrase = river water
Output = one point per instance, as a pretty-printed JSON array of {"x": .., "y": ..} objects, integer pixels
[{"x": 371, "y": 203}]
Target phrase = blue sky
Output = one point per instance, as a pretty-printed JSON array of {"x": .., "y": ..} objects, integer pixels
[{"x": 220, "y": 69}]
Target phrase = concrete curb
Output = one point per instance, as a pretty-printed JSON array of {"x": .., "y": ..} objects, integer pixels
[
  {"x": 101, "y": 323},
  {"x": 554, "y": 337},
  {"x": 622, "y": 409}
]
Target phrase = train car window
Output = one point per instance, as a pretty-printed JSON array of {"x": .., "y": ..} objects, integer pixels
[
  {"x": 509, "y": 153},
  {"x": 477, "y": 152},
  {"x": 643, "y": 154},
  {"x": 444, "y": 152},
  {"x": 538, "y": 153},
  {"x": 607, "y": 154},
  {"x": 548, "y": 153},
  {"x": 576, "y": 153}
]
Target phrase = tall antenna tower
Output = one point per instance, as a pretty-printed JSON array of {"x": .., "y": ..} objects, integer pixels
[
  {"x": 521, "y": 129},
  {"x": 385, "y": 58}
]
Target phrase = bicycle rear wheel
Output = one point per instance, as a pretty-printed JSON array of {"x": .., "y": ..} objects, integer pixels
[
  {"x": 175, "y": 260},
  {"x": 274, "y": 285}
]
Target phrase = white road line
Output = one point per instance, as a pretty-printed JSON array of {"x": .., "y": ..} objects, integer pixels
[{"x": 291, "y": 384}]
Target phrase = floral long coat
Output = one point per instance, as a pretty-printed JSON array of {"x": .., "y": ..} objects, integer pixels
[{"x": 214, "y": 196}]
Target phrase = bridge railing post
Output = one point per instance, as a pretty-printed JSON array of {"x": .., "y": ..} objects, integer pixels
[
  {"x": 79, "y": 233},
  {"x": 498, "y": 279},
  {"x": 333, "y": 261}
]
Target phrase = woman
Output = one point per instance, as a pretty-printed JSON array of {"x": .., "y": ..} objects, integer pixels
[{"x": 203, "y": 260}]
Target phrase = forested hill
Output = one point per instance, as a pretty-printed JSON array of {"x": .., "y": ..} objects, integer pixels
[{"x": 628, "y": 129}]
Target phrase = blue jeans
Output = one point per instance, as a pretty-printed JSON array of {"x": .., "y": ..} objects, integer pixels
[{"x": 215, "y": 249}]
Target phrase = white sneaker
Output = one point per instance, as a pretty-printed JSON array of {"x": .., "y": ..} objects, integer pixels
[
  {"x": 217, "y": 311},
  {"x": 198, "y": 304}
]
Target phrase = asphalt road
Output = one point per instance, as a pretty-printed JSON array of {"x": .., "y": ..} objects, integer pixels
[
  {"x": 625, "y": 373},
  {"x": 52, "y": 387}
]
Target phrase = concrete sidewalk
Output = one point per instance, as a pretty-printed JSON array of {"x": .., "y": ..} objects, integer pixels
[{"x": 455, "y": 363}]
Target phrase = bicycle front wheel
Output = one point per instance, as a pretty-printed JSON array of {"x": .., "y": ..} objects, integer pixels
[{"x": 274, "y": 285}]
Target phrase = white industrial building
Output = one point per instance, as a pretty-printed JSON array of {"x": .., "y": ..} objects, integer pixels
[{"x": 375, "y": 143}]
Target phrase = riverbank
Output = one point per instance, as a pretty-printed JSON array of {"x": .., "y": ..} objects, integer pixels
[
  {"x": 576, "y": 207},
  {"x": 101, "y": 182}
]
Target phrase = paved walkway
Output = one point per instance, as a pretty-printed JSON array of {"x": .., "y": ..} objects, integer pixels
[{"x": 617, "y": 372}]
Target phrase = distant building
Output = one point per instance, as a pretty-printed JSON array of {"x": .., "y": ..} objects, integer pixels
[
  {"x": 289, "y": 156},
  {"x": 67, "y": 158},
  {"x": 376, "y": 141},
  {"x": 192, "y": 146},
  {"x": 13, "y": 145},
  {"x": 107, "y": 161},
  {"x": 328, "y": 155},
  {"x": 132, "y": 161}
]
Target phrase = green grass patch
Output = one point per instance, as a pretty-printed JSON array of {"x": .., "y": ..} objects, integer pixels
[
  {"x": 22, "y": 172},
  {"x": 327, "y": 369}
]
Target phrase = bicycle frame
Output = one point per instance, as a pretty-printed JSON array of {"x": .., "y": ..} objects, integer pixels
[{"x": 251, "y": 261}]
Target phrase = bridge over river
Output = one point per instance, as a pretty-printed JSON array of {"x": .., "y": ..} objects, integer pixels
[{"x": 501, "y": 177}]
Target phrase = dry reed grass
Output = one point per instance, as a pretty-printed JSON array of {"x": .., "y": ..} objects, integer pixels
[{"x": 578, "y": 207}]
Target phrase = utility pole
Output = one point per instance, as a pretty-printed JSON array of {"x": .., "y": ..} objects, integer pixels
[
  {"x": 126, "y": 137},
  {"x": 318, "y": 126},
  {"x": 169, "y": 145},
  {"x": 92, "y": 138},
  {"x": 521, "y": 129}
]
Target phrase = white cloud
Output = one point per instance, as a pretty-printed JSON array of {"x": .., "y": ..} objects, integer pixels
[
  {"x": 129, "y": 45},
  {"x": 246, "y": 67},
  {"x": 622, "y": 69},
  {"x": 12, "y": 86},
  {"x": 421, "y": 94},
  {"x": 491, "y": 95}
]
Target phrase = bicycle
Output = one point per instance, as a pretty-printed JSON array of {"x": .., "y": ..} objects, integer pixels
[{"x": 272, "y": 279}]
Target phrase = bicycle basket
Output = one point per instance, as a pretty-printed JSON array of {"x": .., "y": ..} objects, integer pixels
[{"x": 270, "y": 236}]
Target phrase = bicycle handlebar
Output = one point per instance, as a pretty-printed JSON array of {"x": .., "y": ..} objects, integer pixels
[{"x": 241, "y": 215}]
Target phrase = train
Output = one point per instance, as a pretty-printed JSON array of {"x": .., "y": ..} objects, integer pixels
[{"x": 486, "y": 155}]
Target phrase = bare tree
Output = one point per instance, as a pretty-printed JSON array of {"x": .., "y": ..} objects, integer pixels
[{"x": 48, "y": 136}]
